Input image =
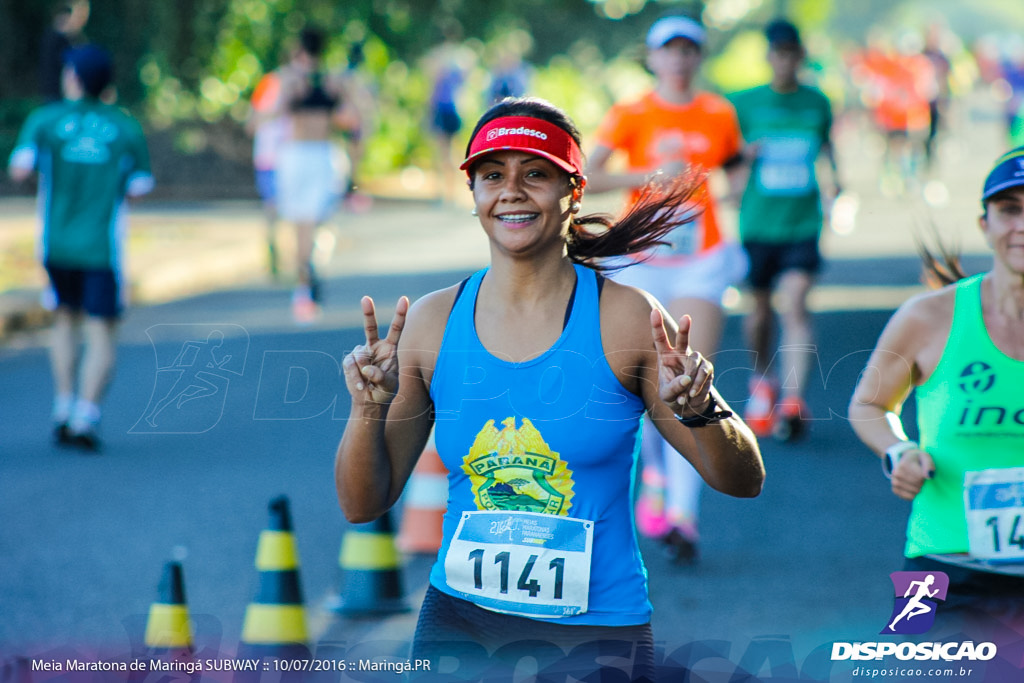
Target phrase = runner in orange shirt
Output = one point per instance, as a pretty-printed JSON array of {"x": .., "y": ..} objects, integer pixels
[
  {"x": 896, "y": 89},
  {"x": 669, "y": 131}
]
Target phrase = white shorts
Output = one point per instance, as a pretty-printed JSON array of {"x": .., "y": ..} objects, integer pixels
[
  {"x": 309, "y": 181},
  {"x": 705, "y": 276}
]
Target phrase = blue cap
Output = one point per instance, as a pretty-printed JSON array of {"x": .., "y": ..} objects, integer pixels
[
  {"x": 1008, "y": 172},
  {"x": 667, "y": 28},
  {"x": 93, "y": 66},
  {"x": 782, "y": 33}
]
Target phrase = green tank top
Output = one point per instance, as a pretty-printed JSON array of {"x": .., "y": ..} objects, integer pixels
[{"x": 970, "y": 416}]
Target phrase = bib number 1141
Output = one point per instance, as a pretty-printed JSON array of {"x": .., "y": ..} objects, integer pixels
[
  {"x": 522, "y": 563},
  {"x": 525, "y": 582}
]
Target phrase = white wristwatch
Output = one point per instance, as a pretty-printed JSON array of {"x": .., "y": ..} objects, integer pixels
[{"x": 893, "y": 454}]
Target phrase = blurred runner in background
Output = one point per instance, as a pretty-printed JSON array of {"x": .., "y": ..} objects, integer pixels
[
  {"x": 88, "y": 155},
  {"x": 447, "y": 65},
  {"x": 896, "y": 86},
  {"x": 269, "y": 131},
  {"x": 510, "y": 76},
  {"x": 65, "y": 32},
  {"x": 1011, "y": 70},
  {"x": 787, "y": 126},
  {"x": 670, "y": 130},
  {"x": 938, "y": 103},
  {"x": 308, "y": 180}
]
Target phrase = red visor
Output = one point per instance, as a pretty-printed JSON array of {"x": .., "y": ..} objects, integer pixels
[{"x": 527, "y": 134}]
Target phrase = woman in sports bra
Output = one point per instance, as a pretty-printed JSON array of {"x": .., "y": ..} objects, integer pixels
[
  {"x": 535, "y": 374},
  {"x": 960, "y": 349},
  {"x": 309, "y": 178}
]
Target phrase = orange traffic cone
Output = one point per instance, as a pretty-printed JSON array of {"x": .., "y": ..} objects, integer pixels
[
  {"x": 275, "y": 622},
  {"x": 424, "y": 503},
  {"x": 168, "y": 628},
  {"x": 371, "y": 577}
]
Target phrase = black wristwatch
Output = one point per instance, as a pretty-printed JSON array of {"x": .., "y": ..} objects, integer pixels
[{"x": 711, "y": 415}]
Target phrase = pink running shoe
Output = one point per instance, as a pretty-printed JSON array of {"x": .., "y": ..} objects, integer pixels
[
  {"x": 650, "y": 516},
  {"x": 304, "y": 309}
]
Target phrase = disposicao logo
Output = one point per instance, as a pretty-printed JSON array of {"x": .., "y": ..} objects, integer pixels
[
  {"x": 915, "y": 601},
  {"x": 916, "y": 598}
]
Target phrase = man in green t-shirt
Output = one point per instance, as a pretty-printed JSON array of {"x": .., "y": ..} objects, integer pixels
[
  {"x": 89, "y": 156},
  {"x": 786, "y": 126}
]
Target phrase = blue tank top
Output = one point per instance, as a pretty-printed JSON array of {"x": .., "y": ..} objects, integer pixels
[{"x": 541, "y": 457}]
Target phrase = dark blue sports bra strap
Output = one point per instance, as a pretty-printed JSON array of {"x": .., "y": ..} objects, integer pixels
[
  {"x": 572, "y": 302},
  {"x": 568, "y": 307},
  {"x": 462, "y": 286}
]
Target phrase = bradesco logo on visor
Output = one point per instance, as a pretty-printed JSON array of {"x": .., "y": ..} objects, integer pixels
[{"x": 496, "y": 133}]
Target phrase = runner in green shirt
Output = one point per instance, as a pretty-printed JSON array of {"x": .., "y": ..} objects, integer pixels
[
  {"x": 786, "y": 126},
  {"x": 89, "y": 155}
]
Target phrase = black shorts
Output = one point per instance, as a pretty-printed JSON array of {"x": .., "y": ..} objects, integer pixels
[
  {"x": 96, "y": 291},
  {"x": 487, "y": 645},
  {"x": 446, "y": 120},
  {"x": 977, "y": 603},
  {"x": 969, "y": 584},
  {"x": 768, "y": 260}
]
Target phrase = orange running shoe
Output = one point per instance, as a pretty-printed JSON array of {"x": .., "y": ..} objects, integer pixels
[
  {"x": 792, "y": 421},
  {"x": 759, "y": 409}
]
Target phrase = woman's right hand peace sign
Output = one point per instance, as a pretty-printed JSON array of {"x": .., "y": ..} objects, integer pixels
[{"x": 371, "y": 369}]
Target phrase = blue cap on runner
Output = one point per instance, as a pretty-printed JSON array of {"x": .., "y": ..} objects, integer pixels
[
  {"x": 667, "y": 28},
  {"x": 1008, "y": 172},
  {"x": 781, "y": 33},
  {"x": 93, "y": 65}
]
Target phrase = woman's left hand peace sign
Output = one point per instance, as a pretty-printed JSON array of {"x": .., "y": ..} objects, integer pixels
[{"x": 684, "y": 375}]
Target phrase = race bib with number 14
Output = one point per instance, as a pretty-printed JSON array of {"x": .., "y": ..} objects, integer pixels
[{"x": 994, "y": 504}]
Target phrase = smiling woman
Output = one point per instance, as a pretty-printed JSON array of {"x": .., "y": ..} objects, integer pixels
[
  {"x": 535, "y": 373},
  {"x": 960, "y": 349}
]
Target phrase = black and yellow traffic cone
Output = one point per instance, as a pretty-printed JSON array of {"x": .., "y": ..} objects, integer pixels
[
  {"x": 168, "y": 634},
  {"x": 371, "y": 582},
  {"x": 168, "y": 628},
  {"x": 275, "y": 621}
]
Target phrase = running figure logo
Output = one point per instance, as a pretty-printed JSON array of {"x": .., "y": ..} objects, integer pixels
[
  {"x": 916, "y": 596},
  {"x": 190, "y": 390}
]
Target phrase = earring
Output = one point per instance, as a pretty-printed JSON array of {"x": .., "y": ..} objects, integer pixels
[
  {"x": 473, "y": 212},
  {"x": 575, "y": 207}
]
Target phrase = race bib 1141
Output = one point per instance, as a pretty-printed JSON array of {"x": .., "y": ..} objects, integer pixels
[{"x": 522, "y": 563}]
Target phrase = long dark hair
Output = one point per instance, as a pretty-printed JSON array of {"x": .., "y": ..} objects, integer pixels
[
  {"x": 659, "y": 210},
  {"x": 939, "y": 270},
  {"x": 940, "y": 265}
]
